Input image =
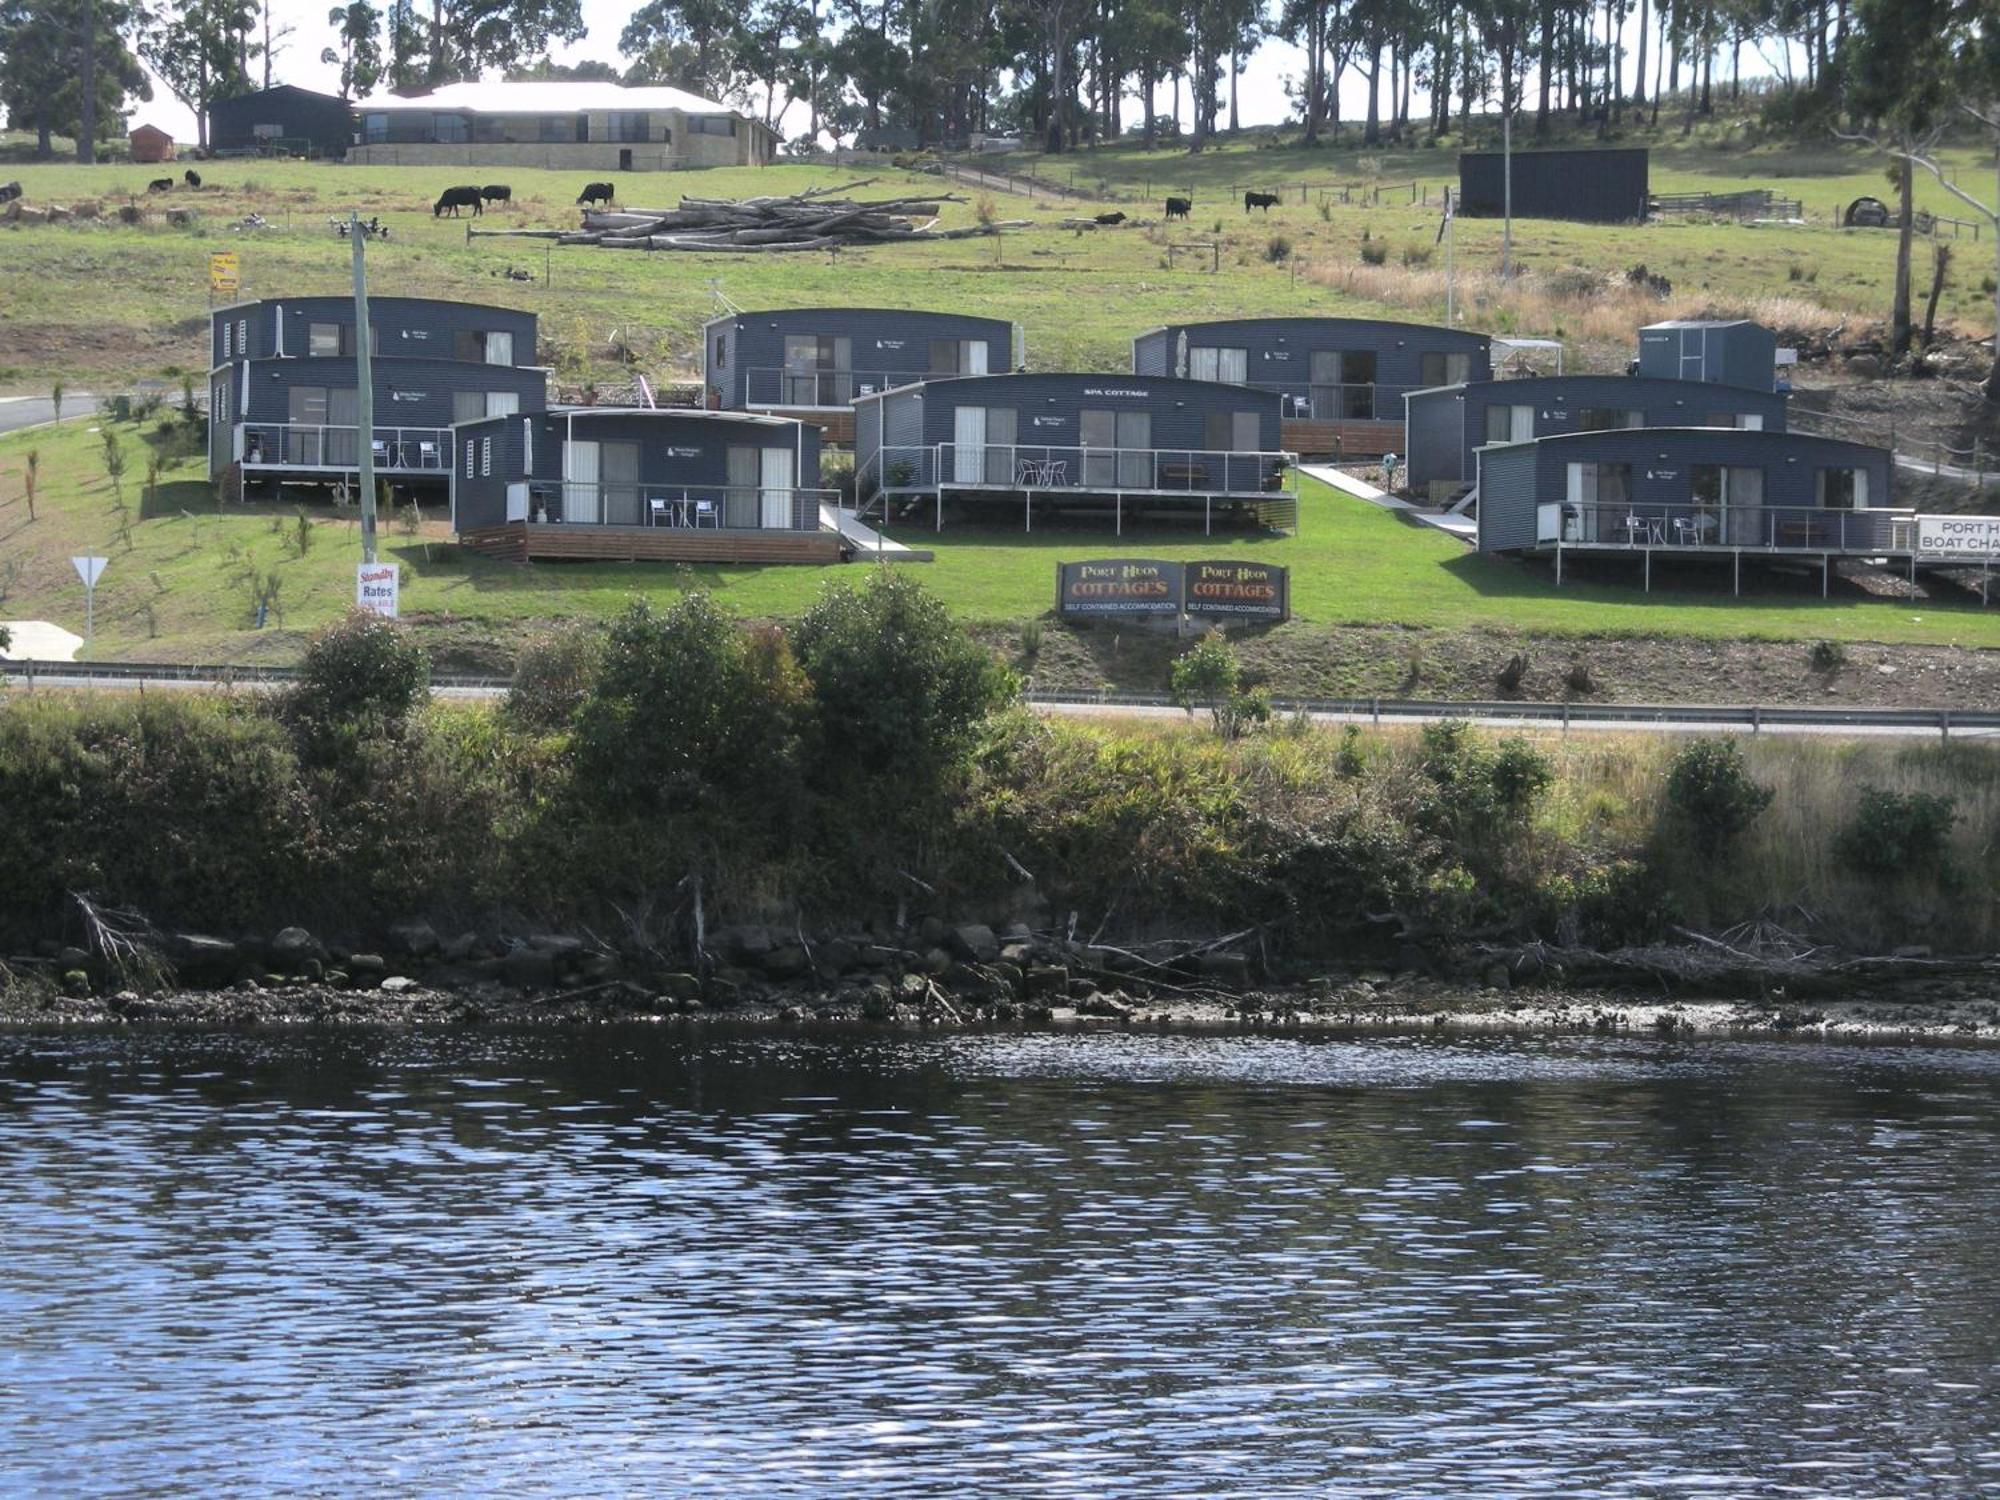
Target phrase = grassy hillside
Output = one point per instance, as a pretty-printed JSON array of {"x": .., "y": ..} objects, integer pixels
[
  {"x": 185, "y": 577},
  {"x": 99, "y": 302}
]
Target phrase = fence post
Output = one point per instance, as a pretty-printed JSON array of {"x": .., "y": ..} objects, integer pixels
[
  {"x": 1944, "y": 725},
  {"x": 1756, "y": 718}
]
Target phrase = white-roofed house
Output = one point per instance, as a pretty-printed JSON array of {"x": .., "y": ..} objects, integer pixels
[{"x": 588, "y": 127}]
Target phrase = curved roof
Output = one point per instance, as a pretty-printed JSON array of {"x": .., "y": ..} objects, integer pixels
[
  {"x": 1528, "y": 385},
  {"x": 881, "y": 312},
  {"x": 1324, "y": 319},
  {"x": 1116, "y": 383}
]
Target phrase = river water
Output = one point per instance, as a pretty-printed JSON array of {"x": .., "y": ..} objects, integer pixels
[{"x": 649, "y": 1262}]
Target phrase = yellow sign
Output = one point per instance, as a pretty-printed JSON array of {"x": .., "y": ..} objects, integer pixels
[{"x": 223, "y": 273}]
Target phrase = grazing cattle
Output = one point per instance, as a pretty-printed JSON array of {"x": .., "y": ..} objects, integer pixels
[
  {"x": 455, "y": 198},
  {"x": 497, "y": 192},
  {"x": 1111, "y": 218},
  {"x": 191, "y": 177},
  {"x": 596, "y": 192},
  {"x": 160, "y": 185},
  {"x": 1179, "y": 208},
  {"x": 9, "y": 191},
  {"x": 1265, "y": 201}
]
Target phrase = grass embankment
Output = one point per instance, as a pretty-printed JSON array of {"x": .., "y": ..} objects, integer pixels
[
  {"x": 185, "y": 575},
  {"x": 864, "y": 762},
  {"x": 102, "y": 302}
]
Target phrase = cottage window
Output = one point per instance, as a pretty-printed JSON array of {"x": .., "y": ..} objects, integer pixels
[
  {"x": 712, "y": 124},
  {"x": 450, "y": 129},
  {"x": 483, "y": 347},
  {"x": 1843, "y": 489},
  {"x": 1604, "y": 418},
  {"x": 557, "y": 128},
  {"x": 721, "y": 349},
  {"x": 1343, "y": 384},
  {"x": 1445, "y": 369},
  {"x": 485, "y": 457},
  {"x": 323, "y": 339},
  {"x": 1230, "y": 366},
  {"x": 1747, "y": 421},
  {"x": 1509, "y": 424},
  {"x": 1232, "y": 432},
  {"x": 630, "y": 126},
  {"x": 374, "y": 129},
  {"x": 467, "y": 406}
]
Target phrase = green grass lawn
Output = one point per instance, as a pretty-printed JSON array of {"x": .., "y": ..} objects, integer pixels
[
  {"x": 99, "y": 303},
  {"x": 177, "y": 584}
]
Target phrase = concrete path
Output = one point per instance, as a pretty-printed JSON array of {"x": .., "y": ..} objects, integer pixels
[
  {"x": 868, "y": 542},
  {"x": 38, "y": 640},
  {"x": 1462, "y": 527},
  {"x": 17, "y": 412}
]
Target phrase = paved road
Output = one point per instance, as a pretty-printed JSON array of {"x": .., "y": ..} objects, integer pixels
[
  {"x": 53, "y": 676},
  {"x": 17, "y": 412}
]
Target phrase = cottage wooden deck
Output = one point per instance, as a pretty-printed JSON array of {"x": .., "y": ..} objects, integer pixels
[
  {"x": 523, "y": 541},
  {"x": 836, "y": 425},
  {"x": 1316, "y": 439}
]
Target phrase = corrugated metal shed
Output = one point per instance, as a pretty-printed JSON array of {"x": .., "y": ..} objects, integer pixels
[{"x": 1590, "y": 186}]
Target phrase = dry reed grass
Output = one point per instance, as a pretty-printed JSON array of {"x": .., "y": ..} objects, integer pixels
[{"x": 1597, "y": 310}]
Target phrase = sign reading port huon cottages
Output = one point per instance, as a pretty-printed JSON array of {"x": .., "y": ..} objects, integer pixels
[{"x": 1129, "y": 588}]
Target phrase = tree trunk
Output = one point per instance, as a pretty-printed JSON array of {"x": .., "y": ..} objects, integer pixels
[
  {"x": 1235, "y": 67},
  {"x": 1371, "y": 135},
  {"x": 86, "y": 135},
  {"x": 1639, "y": 76},
  {"x": 1548, "y": 51},
  {"x": 1899, "y": 312},
  {"x": 1940, "y": 265}
]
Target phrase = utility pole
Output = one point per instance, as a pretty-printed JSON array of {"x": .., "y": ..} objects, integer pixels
[
  {"x": 1507, "y": 187},
  {"x": 364, "y": 395}
]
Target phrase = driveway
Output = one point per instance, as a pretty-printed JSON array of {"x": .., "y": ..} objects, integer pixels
[{"x": 17, "y": 412}]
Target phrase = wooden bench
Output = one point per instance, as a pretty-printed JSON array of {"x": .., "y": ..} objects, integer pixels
[{"x": 1185, "y": 476}]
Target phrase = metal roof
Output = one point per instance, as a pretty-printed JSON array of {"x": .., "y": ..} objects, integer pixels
[{"x": 546, "y": 98}]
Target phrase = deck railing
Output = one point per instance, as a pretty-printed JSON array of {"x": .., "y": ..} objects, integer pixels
[
  {"x": 1043, "y": 466},
  {"x": 300, "y": 445},
  {"x": 1688, "y": 527},
  {"x": 1354, "y": 401},
  {"x": 687, "y": 506},
  {"x": 766, "y": 386}
]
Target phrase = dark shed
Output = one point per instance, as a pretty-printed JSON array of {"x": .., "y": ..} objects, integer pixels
[
  {"x": 1722, "y": 352},
  {"x": 1331, "y": 369},
  {"x": 815, "y": 357},
  {"x": 284, "y": 118},
  {"x": 1688, "y": 490},
  {"x": 1447, "y": 424},
  {"x": 668, "y": 468},
  {"x": 1590, "y": 186}
]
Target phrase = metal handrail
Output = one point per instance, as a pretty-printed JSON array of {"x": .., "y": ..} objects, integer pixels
[
  {"x": 773, "y": 385},
  {"x": 1685, "y": 525},
  {"x": 323, "y": 445},
  {"x": 680, "y": 506},
  {"x": 1061, "y": 466}
]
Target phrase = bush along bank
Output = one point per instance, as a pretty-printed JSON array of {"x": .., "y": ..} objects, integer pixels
[{"x": 852, "y": 817}]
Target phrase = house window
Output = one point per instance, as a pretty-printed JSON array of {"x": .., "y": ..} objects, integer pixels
[
  {"x": 1343, "y": 384},
  {"x": 629, "y": 126},
  {"x": 556, "y": 128},
  {"x": 1604, "y": 418},
  {"x": 1231, "y": 432},
  {"x": 1230, "y": 366},
  {"x": 450, "y": 130},
  {"x": 1843, "y": 489},
  {"x": 1509, "y": 424},
  {"x": 722, "y": 349},
  {"x": 1445, "y": 369},
  {"x": 481, "y": 347},
  {"x": 712, "y": 124},
  {"x": 1742, "y": 420},
  {"x": 485, "y": 457},
  {"x": 324, "y": 339},
  {"x": 468, "y": 406},
  {"x": 374, "y": 129}
]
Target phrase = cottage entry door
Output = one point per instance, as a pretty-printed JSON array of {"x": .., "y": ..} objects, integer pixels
[
  {"x": 618, "y": 465},
  {"x": 581, "y": 502},
  {"x": 739, "y": 501},
  {"x": 774, "y": 504},
  {"x": 1135, "y": 458},
  {"x": 1097, "y": 432},
  {"x": 343, "y": 426},
  {"x": 968, "y": 445}
]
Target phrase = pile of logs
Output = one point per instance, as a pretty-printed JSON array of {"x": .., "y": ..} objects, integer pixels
[{"x": 817, "y": 219}]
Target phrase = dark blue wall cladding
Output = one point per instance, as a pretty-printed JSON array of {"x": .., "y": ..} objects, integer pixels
[
  {"x": 412, "y": 327},
  {"x": 1737, "y": 353},
  {"x": 1279, "y": 350},
  {"x": 1445, "y": 425},
  {"x": 887, "y": 347}
]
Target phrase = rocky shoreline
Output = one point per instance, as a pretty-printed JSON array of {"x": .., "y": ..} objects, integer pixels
[{"x": 971, "y": 979}]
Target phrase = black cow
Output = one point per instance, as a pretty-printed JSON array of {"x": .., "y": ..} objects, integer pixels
[
  {"x": 191, "y": 177},
  {"x": 596, "y": 192},
  {"x": 9, "y": 191},
  {"x": 1111, "y": 218},
  {"x": 1265, "y": 201},
  {"x": 455, "y": 198},
  {"x": 160, "y": 185},
  {"x": 1179, "y": 208},
  {"x": 497, "y": 192}
]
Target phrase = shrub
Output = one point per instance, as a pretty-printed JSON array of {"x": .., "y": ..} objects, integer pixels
[
  {"x": 1417, "y": 255},
  {"x": 1278, "y": 249},
  {"x": 1326, "y": 210},
  {"x": 1897, "y": 833},
  {"x": 364, "y": 672},
  {"x": 1710, "y": 795},
  {"x": 1207, "y": 676},
  {"x": 1828, "y": 656},
  {"x": 1373, "y": 252},
  {"x": 899, "y": 690},
  {"x": 552, "y": 677}
]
